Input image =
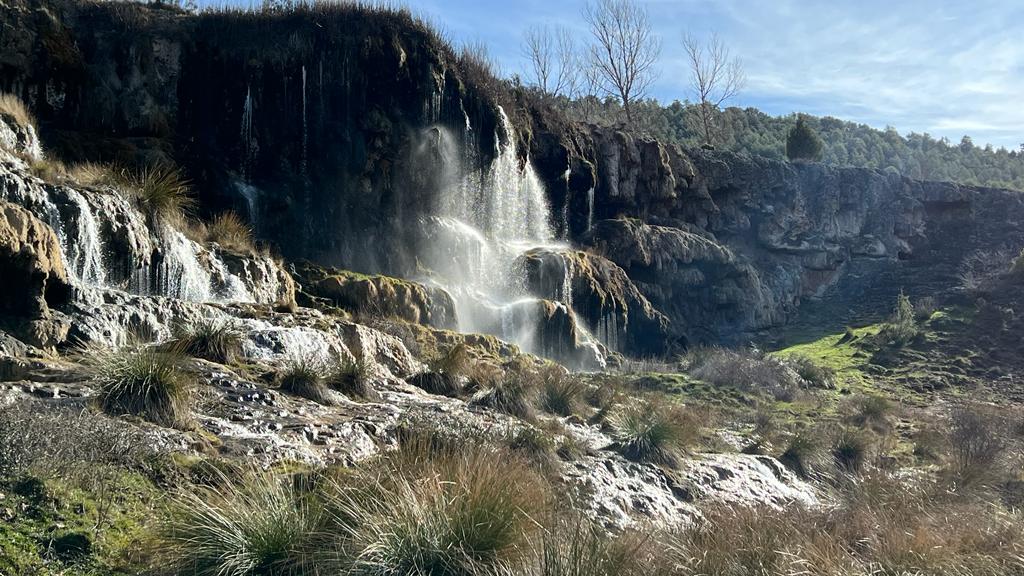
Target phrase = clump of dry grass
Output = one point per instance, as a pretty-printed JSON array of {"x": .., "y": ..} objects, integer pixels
[
  {"x": 160, "y": 191},
  {"x": 144, "y": 382},
  {"x": 13, "y": 107},
  {"x": 231, "y": 232},
  {"x": 654, "y": 432}
]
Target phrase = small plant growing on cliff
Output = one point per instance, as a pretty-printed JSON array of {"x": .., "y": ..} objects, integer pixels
[
  {"x": 902, "y": 327},
  {"x": 12, "y": 106},
  {"x": 302, "y": 377},
  {"x": 231, "y": 232},
  {"x": 351, "y": 377},
  {"x": 648, "y": 432},
  {"x": 802, "y": 142},
  {"x": 209, "y": 339},
  {"x": 160, "y": 191},
  {"x": 258, "y": 525},
  {"x": 143, "y": 382}
]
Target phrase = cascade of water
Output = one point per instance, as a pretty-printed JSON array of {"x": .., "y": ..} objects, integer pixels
[
  {"x": 251, "y": 194},
  {"x": 305, "y": 125},
  {"x": 85, "y": 254},
  {"x": 590, "y": 208},
  {"x": 248, "y": 140}
]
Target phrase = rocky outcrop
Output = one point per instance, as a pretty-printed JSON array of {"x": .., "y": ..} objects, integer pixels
[
  {"x": 34, "y": 279},
  {"x": 730, "y": 245},
  {"x": 377, "y": 295},
  {"x": 603, "y": 297}
]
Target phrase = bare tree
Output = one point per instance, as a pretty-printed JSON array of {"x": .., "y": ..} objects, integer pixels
[
  {"x": 716, "y": 77},
  {"x": 625, "y": 49},
  {"x": 552, "y": 56}
]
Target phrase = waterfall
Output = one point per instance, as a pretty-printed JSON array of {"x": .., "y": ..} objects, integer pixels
[
  {"x": 251, "y": 195},
  {"x": 482, "y": 223},
  {"x": 590, "y": 208},
  {"x": 85, "y": 254},
  {"x": 248, "y": 140}
]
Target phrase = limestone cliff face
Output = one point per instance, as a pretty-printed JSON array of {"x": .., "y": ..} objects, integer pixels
[{"x": 728, "y": 245}]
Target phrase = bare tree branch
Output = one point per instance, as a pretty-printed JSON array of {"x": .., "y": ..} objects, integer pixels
[
  {"x": 716, "y": 77},
  {"x": 625, "y": 49}
]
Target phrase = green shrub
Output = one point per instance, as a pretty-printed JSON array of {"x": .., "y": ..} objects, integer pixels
[
  {"x": 143, "y": 382},
  {"x": 430, "y": 510},
  {"x": 802, "y": 142},
  {"x": 302, "y": 377},
  {"x": 351, "y": 378},
  {"x": 214, "y": 340},
  {"x": 656, "y": 433},
  {"x": 902, "y": 327},
  {"x": 261, "y": 525},
  {"x": 514, "y": 395}
]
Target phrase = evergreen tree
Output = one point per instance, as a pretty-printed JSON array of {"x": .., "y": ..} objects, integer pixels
[{"x": 802, "y": 142}]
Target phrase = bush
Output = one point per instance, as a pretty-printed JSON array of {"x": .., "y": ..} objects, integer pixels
[
  {"x": 902, "y": 327},
  {"x": 260, "y": 525},
  {"x": 351, "y": 378},
  {"x": 214, "y": 340},
  {"x": 12, "y": 106},
  {"x": 143, "y": 382},
  {"x": 560, "y": 392},
  {"x": 513, "y": 395},
  {"x": 160, "y": 191},
  {"x": 802, "y": 142},
  {"x": 426, "y": 509},
  {"x": 302, "y": 378},
  {"x": 871, "y": 411},
  {"x": 813, "y": 374},
  {"x": 230, "y": 232},
  {"x": 924, "y": 308},
  {"x": 654, "y": 433},
  {"x": 747, "y": 370},
  {"x": 977, "y": 444}
]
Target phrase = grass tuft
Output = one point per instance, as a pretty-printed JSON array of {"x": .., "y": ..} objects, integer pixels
[
  {"x": 654, "y": 433},
  {"x": 259, "y": 525},
  {"x": 302, "y": 377},
  {"x": 12, "y": 106},
  {"x": 160, "y": 191},
  {"x": 351, "y": 378},
  {"x": 143, "y": 382},
  {"x": 230, "y": 232},
  {"x": 214, "y": 340},
  {"x": 561, "y": 392},
  {"x": 514, "y": 395}
]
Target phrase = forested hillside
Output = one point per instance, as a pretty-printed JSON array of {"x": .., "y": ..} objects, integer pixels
[{"x": 750, "y": 130}]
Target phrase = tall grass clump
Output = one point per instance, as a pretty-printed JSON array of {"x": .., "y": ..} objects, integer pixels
[
  {"x": 352, "y": 378},
  {"x": 231, "y": 232},
  {"x": 871, "y": 411},
  {"x": 143, "y": 382},
  {"x": 561, "y": 392},
  {"x": 803, "y": 453},
  {"x": 656, "y": 433},
  {"x": 12, "y": 106},
  {"x": 161, "y": 191},
  {"x": 575, "y": 546},
  {"x": 303, "y": 377},
  {"x": 513, "y": 395},
  {"x": 260, "y": 525},
  {"x": 214, "y": 340},
  {"x": 431, "y": 509}
]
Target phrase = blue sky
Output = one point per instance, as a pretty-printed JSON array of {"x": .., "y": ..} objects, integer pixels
[{"x": 942, "y": 67}]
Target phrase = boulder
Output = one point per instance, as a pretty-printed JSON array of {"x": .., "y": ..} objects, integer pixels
[
  {"x": 605, "y": 299},
  {"x": 34, "y": 278}
]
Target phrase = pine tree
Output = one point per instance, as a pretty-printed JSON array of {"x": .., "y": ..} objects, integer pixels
[{"x": 802, "y": 142}]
